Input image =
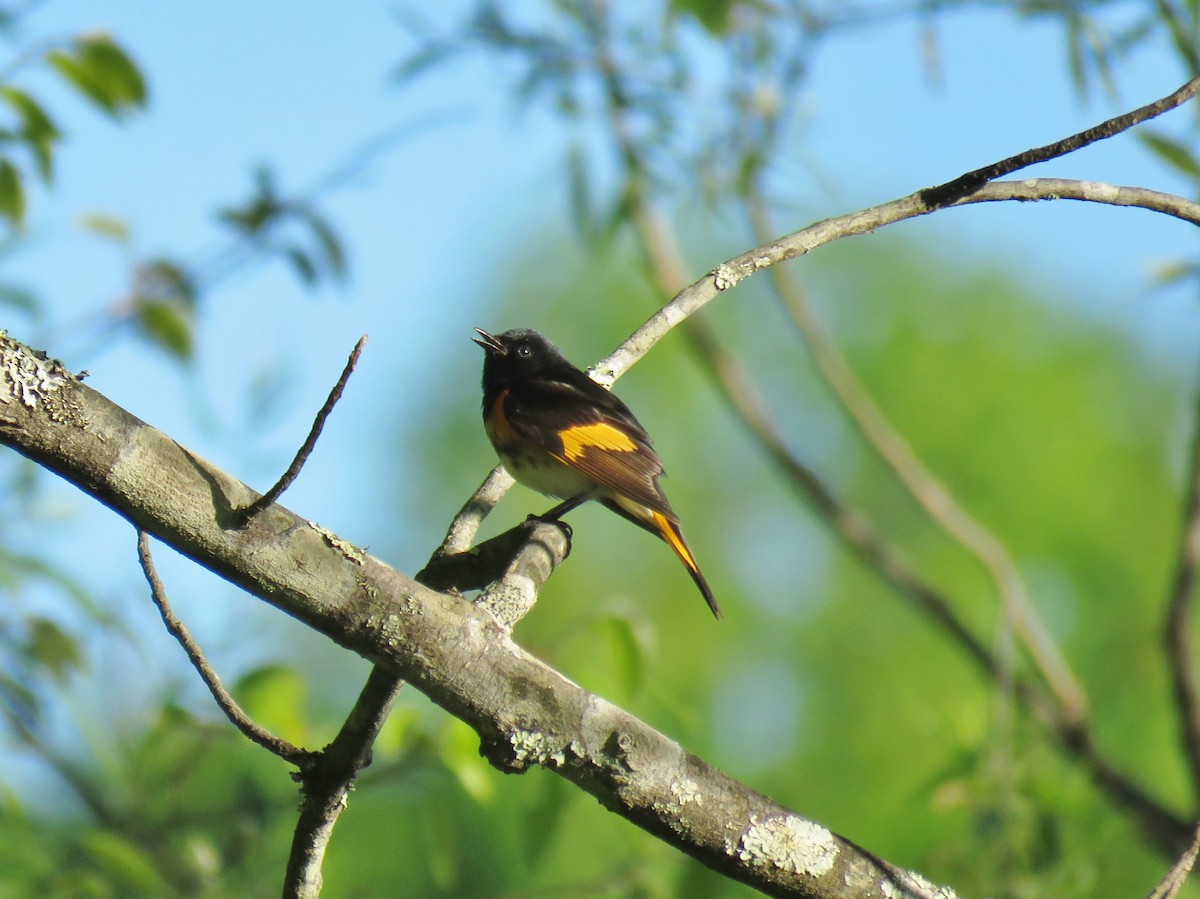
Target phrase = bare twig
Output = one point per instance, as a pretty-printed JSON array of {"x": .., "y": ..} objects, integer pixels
[
  {"x": 461, "y": 533},
  {"x": 306, "y": 448},
  {"x": 212, "y": 680},
  {"x": 1178, "y": 633},
  {"x": 945, "y": 194},
  {"x": 327, "y": 782},
  {"x": 1173, "y": 881}
]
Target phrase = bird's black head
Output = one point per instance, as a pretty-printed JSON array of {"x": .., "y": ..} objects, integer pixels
[{"x": 516, "y": 356}]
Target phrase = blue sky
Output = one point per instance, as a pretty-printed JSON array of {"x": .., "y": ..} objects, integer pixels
[{"x": 433, "y": 223}]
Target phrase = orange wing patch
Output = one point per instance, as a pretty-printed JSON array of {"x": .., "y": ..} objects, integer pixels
[{"x": 579, "y": 439}]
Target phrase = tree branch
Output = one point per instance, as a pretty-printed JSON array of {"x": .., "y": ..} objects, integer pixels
[
  {"x": 1173, "y": 881},
  {"x": 1178, "y": 636},
  {"x": 327, "y": 782}
]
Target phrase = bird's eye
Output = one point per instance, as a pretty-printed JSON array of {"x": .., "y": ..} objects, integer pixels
[{"x": 524, "y": 351}]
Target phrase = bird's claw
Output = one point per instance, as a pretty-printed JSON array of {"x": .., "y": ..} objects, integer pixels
[{"x": 557, "y": 522}]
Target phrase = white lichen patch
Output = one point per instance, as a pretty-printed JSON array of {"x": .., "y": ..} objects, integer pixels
[
  {"x": 28, "y": 376},
  {"x": 915, "y": 885},
  {"x": 683, "y": 792},
  {"x": 725, "y": 276},
  {"x": 686, "y": 791},
  {"x": 790, "y": 843},
  {"x": 532, "y": 747},
  {"x": 345, "y": 547}
]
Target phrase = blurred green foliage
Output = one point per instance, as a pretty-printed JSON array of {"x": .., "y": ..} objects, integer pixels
[
  {"x": 99, "y": 70},
  {"x": 821, "y": 687}
]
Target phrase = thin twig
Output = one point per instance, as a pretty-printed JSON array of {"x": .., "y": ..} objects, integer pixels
[
  {"x": 945, "y": 194},
  {"x": 212, "y": 680},
  {"x": 461, "y": 533},
  {"x": 244, "y": 515},
  {"x": 327, "y": 782},
  {"x": 1178, "y": 632},
  {"x": 1174, "y": 879}
]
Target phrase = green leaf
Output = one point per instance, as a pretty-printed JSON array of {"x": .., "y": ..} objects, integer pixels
[
  {"x": 104, "y": 73},
  {"x": 124, "y": 863},
  {"x": 305, "y": 268},
  {"x": 20, "y": 298},
  {"x": 459, "y": 752},
  {"x": 106, "y": 226},
  {"x": 262, "y": 209},
  {"x": 1173, "y": 272},
  {"x": 712, "y": 14},
  {"x": 628, "y": 652},
  {"x": 331, "y": 246},
  {"x": 1174, "y": 153},
  {"x": 37, "y": 128},
  {"x": 166, "y": 280},
  {"x": 12, "y": 194},
  {"x": 543, "y": 819},
  {"x": 167, "y": 325},
  {"x": 53, "y": 647},
  {"x": 274, "y": 696}
]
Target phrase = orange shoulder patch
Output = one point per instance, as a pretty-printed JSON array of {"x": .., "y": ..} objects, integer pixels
[
  {"x": 598, "y": 435},
  {"x": 497, "y": 425}
]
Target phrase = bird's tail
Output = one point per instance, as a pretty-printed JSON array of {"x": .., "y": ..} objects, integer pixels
[
  {"x": 666, "y": 527},
  {"x": 670, "y": 532}
]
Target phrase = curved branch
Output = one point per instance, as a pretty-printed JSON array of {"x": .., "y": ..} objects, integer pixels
[
  {"x": 234, "y": 712},
  {"x": 799, "y": 243}
]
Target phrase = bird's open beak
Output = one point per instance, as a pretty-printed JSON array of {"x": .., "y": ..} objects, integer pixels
[{"x": 488, "y": 342}]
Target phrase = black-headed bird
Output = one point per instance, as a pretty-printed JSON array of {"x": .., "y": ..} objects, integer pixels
[{"x": 562, "y": 434}]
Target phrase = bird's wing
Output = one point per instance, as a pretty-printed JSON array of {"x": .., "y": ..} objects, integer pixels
[{"x": 584, "y": 426}]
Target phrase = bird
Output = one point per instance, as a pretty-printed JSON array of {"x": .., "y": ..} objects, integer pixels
[{"x": 562, "y": 434}]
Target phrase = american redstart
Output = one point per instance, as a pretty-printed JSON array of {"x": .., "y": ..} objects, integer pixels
[{"x": 559, "y": 432}]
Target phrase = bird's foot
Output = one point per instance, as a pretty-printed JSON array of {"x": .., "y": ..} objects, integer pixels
[{"x": 550, "y": 518}]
